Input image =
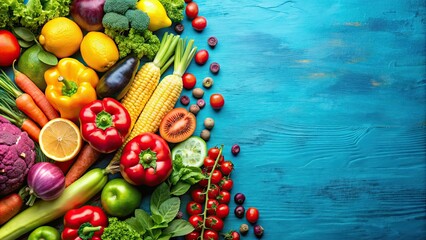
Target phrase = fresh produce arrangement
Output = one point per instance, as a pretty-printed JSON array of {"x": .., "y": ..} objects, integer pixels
[{"x": 90, "y": 123}]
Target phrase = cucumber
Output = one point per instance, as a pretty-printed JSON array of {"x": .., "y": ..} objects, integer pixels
[{"x": 192, "y": 151}]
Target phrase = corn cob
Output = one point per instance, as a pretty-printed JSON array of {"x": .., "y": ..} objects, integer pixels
[{"x": 147, "y": 78}]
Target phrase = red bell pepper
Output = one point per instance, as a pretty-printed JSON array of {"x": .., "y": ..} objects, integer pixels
[
  {"x": 87, "y": 222},
  {"x": 146, "y": 160},
  {"x": 104, "y": 124}
]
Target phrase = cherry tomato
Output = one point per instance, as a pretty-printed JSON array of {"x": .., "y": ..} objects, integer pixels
[
  {"x": 224, "y": 197},
  {"x": 188, "y": 1},
  {"x": 194, "y": 208},
  {"x": 252, "y": 215},
  {"x": 199, "y": 23},
  {"x": 205, "y": 181},
  {"x": 226, "y": 167},
  {"x": 194, "y": 235},
  {"x": 215, "y": 223},
  {"x": 196, "y": 221},
  {"x": 232, "y": 235},
  {"x": 209, "y": 162},
  {"x": 198, "y": 195},
  {"x": 226, "y": 184},
  {"x": 222, "y": 210},
  {"x": 216, "y": 176},
  {"x": 210, "y": 235},
  {"x": 213, "y": 191},
  {"x": 191, "y": 10},
  {"x": 201, "y": 57},
  {"x": 9, "y": 48},
  {"x": 212, "y": 205},
  {"x": 217, "y": 101},
  {"x": 213, "y": 153},
  {"x": 189, "y": 81}
]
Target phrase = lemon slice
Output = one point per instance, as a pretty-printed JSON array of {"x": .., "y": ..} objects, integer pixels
[
  {"x": 192, "y": 151},
  {"x": 60, "y": 139}
]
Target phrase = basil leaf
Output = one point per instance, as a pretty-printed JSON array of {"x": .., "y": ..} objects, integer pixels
[
  {"x": 47, "y": 58},
  {"x": 156, "y": 233},
  {"x": 160, "y": 225},
  {"x": 178, "y": 227},
  {"x": 160, "y": 194},
  {"x": 25, "y": 44},
  {"x": 158, "y": 219},
  {"x": 180, "y": 188},
  {"x": 24, "y": 33},
  {"x": 135, "y": 224},
  {"x": 169, "y": 209},
  {"x": 143, "y": 218}
]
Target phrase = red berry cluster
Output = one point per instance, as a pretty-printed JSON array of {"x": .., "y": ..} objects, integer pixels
[{"x": 209, "y": 204}]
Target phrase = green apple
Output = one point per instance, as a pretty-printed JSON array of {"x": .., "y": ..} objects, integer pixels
[{"x": 119, "y": 198}]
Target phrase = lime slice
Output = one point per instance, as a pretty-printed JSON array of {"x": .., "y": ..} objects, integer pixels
[{"x": 192, "y": 151}]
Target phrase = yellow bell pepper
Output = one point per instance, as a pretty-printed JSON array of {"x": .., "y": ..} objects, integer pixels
[
  {"x": 70, "y": 86},
  {"x": 156, "y": 12}
]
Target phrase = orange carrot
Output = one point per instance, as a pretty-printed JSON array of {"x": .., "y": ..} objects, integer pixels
[
  {"x": 10, "y": 206},
  {"x": 86, "y": 158},
  {"x": 28, "y": 86},
  {"x": 26, "y": 104},
  {"x": 31, "y": 128}
]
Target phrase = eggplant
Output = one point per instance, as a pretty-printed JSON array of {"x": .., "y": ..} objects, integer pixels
[{"x": 116, "y": 81}]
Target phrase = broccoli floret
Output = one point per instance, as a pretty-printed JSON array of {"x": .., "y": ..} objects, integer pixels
[
  {"x": 119, "y": 6},
  {"x": 174, "y": 9},
  {"x": 119, "y": 230},
  {"x": 115, "y": 21},
  {"x": 138, "y": 19},
  {"x": 151, "y": 45}
]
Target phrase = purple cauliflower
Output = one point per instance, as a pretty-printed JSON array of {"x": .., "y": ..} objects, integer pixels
[{"x": 17, "y": 156}]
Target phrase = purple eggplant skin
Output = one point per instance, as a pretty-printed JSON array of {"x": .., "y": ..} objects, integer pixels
[{"x": 116, "y": 81}]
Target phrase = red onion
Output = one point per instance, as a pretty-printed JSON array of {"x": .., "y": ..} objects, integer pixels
[
  {"x": 46, "y": 181},
  {"x": 88, "y": 14}
]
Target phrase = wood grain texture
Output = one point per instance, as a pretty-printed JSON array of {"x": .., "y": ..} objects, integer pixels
[{"x": 327, "y": 101}]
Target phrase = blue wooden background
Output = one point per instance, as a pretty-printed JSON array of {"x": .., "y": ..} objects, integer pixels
[{"x": 327, "y": 100}]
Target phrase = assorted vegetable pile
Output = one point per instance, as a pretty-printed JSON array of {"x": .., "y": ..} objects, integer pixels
[{"x": 88, "y": 88}]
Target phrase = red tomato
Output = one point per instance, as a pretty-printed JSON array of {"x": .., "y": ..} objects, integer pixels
[
  {"x": 216, "y": 176},
  {"x": 198, "y": 195},
  {"x": 226, "y": 167},
  {"x": 232, "y": 235},
  {"x": 213, "y": 153},
  {"x": 213, "y": 191},
  {"x": 224, "y": 197},
  {"x": 194, "y": 208},
  {"x": 201, "y": 57},
  {"x": 191, "y": 10},
  {"x": 199, "y": 23},
  {"x": 209, "y": 162},
  {"x": 215, "y": 223},
  {"x": 252, "y": 215},
  {"x": 210, "y": 235},
  {"x": 217, "y": 101},
  {"x": 189, "y": 81},
  {"x": 212, "y": 205},
  {"x": 196, "y": 221},
  {"x": 9, "y": 48},
  {"x": 193, "y": 235},
  {"x": 205, "y": 181},
  {"x": 226, "y": 184},
  {"x": 222, "y": 210}
]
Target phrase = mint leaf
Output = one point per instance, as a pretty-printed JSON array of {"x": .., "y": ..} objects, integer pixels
[
  {"x": 180, "y": 188},
  {"x": 135, "y": 224},
  {"x": 178, "y": 227},
  {"x": 160, "y": 194},
  {"x": 143, "y": 218},
  {"x": 158, "y": 219},
  {"x": 169, "y": 209}
]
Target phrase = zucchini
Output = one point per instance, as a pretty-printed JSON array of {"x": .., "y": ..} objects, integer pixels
[{"x": 43, "y": 212}]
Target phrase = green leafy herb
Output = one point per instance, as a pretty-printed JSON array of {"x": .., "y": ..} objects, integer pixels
[
  {"x": 180, "y": 188},
  {"x": 160, "y": 194},
  {"x": 178, "y": 227},
  {"x": 183, "y": 177},
  {"x": 24, "y": 33},
  {"x": 47, "y": 58},
  {"x": 169, "y": 209}
]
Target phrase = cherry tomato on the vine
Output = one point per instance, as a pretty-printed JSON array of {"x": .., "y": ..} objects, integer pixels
[
  {"x": 198, "y": 195},
  {"x": 224, "y": 197},
  {"x": 217, "y": 101},
  {"x": 226, "y": 167},
  {"x": 194, "y": 208},
  {"x": 194, "y": 235},
  {"x": 226, "y": 183},
  {"x": 215, "y": 223},
  {"x": 232, "y": 235},
  {"x": 201, "y": 57},
  {"x": 212, "y": 205},
  {"x": 216, "y": 176},
  {"x": 213, "y": 153},
  {"x": 210, "y": 235},
  {"x": 191, "y": 10},
  {"x": 196, "y": 221},
  {"x": 189, "y": 81},
  {"x": 209, "y": 162},
  {"x": 222, "y": 210},
  {"x": 199, "y": 23},
  {"x": 252, "y": 215},
  {"x": 213, "y": 191}
]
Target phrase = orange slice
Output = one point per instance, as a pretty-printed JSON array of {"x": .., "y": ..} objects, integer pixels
[{"x": 60, "y": 139}]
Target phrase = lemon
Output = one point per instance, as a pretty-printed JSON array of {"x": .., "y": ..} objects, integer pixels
[
  {"x": 60, "y": 139},
  {"x": 157, "y": 14},
  {"x": 61, "y": 36},
  {"x": 99, "y": 51}
]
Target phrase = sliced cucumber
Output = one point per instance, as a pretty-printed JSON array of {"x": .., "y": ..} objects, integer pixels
[{"x": 192, "y": 151}]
